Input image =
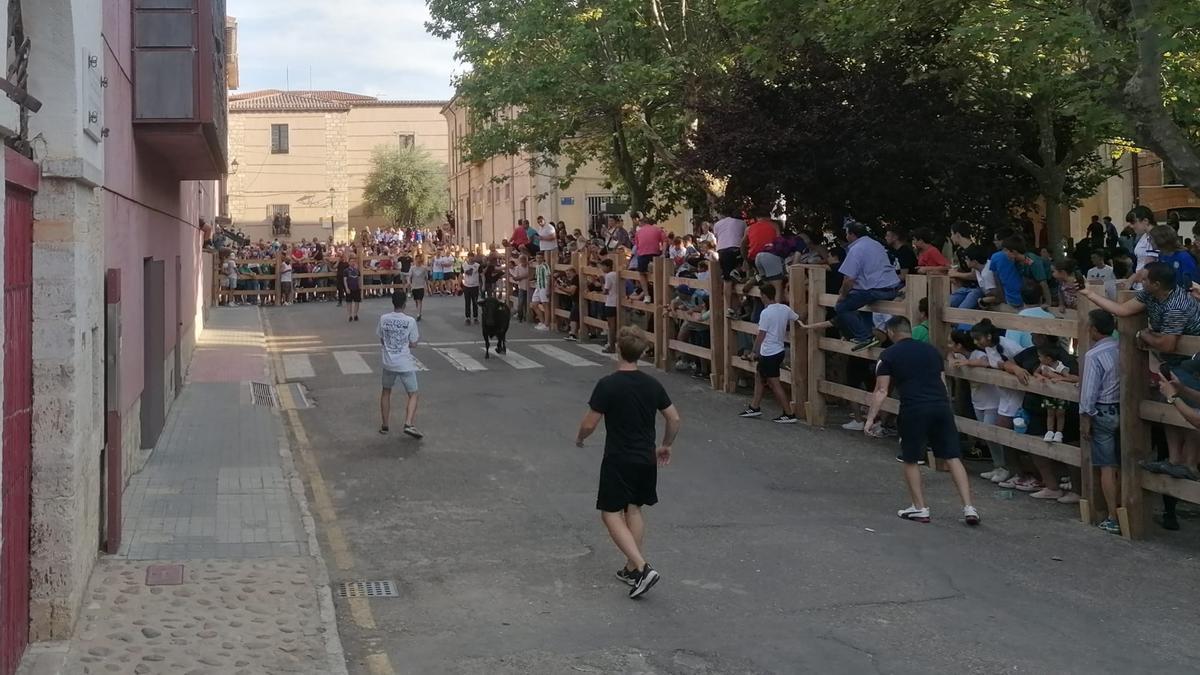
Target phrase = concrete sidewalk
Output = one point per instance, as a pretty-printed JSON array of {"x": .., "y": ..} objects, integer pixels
[{"x": 219, "y": 496}]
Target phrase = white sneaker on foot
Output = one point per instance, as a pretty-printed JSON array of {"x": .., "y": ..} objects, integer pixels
[
  {"x": 854, "y": 425},
  {"x": 913, "y": 513},
  {"x": 1049, "y": 437},
  {"x": 1000, "y": 475},
  {"x": 1058, "y": 437},
  {"x": 987, "y": 475},
  {"x": 970, "y": 515}
]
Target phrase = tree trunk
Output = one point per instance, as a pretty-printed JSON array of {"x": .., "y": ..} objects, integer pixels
[{"x": 1056, "y": 227}]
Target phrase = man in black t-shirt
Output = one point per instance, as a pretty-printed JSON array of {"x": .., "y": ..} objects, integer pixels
[
  {"x": 628, "y": 401},
  {"x": 926, "y": 417},
  {"x": 900, "y": 251}
]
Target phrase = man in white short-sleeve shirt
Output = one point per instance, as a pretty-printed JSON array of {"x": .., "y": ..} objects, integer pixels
[
  {"x": 398, "y": 334},
  {"x": 548, "y": 238},
  {"x": 769, "y": 351}
]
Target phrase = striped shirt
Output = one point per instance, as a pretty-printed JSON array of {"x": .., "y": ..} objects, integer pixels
[
  {"x": 1101, "y": 383},
  {"x": 1178, "y": 314}
]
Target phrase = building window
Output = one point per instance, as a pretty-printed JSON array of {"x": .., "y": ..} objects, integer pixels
[
  {"x": 407, "y": 140},
  {"x": 507, "y": 191},
  {"x": 281, "y": 219},
  {"x": 280, "y": 210},
  {"x": 279, "y": 139}
]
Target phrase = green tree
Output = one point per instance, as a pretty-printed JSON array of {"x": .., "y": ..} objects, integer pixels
[
  {"x": 405, "y": 185},
  {"x": 573, "y": 82}
]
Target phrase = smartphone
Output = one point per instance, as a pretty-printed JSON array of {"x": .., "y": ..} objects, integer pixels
[{"x": 1164, "y": 369}]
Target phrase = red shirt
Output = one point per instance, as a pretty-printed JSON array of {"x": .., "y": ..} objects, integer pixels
[
  {"x": 297, "y": 254},
  {"x": 760, "y": 233},
  {"x": 518, "y": 238},
  {"x": 931, "y": 257}
]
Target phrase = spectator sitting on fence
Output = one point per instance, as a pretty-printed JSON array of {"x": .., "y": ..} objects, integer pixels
[
  {"x": 868, "y": 277},
  {"x": 929, "y": 259},
  {"x": 1099, "y": 408},
  {"x": 900, "y": 251},
  {"x": 980, "y": 263},
  {"x": 967, "y": 292},
  {"x": 1005, "y": 266},
  {"x": 769, "y": 351}
]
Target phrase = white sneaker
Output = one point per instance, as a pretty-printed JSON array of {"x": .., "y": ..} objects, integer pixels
[
  {"x": 970, "y": 515},
  {"x": 1000, "y": 475},
  {"x": 987, "y": 475},
  {"x": 1058, "y": 437},
  {"x": 1049, "y": 437},
  {"x": 877, "y": 430},
  {"x": 854, "y": 425},
  {"x": 913, "y": 513},
  {"x": 541, "y": 326}
]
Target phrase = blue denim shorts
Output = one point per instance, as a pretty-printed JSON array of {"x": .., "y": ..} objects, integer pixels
[
  {"x": 408, "y": 379},
  {"x": 1106, "y": 435}
]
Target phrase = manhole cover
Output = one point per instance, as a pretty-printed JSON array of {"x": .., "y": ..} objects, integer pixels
[
  {"x": 367, "y": 589},
  {"x": 164, "y": 575},
  {"x": 263, "y": 394}
]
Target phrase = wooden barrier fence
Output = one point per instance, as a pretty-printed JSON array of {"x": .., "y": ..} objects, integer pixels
[{"x": 808, "y": 367}]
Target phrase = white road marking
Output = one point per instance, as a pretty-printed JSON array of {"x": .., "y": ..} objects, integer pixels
[
  {"x": 466, "y": 343},
  {"x": 459, "y": 359},
  {"x": 297, "y": 366},
  {"x": 564, "y": 356},
  {"x": 351, "y": 363},
  {"x": 598, "y": 351},
  {"x": 517, "y": 361},
  {"x": 420, "y": 366}
]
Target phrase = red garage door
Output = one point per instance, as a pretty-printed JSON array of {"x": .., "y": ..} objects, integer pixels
[{"x": 20, "y": 186}]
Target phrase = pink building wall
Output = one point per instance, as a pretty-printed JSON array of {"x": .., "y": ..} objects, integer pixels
[{"x": 148, "y": 213}]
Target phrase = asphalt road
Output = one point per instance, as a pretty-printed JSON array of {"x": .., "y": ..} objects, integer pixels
[{"x": 779, "y": 546}]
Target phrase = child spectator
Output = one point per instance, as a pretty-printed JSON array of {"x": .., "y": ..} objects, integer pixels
[
  {"x": 985, "y": 398},
  {"x": 1066, "y": 272},
  {"x": 1167, "y": 242},
  {"x": 929, "y": 258},
  {"x": 1103, "y": 272},
  {"x": 920, "y": 332},
  {"x": 1053, "y": 370},
  {"x": 541, "y": 293}
]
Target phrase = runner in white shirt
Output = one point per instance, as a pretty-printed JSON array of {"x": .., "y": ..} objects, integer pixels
[
  {"x": 548, "y": 241},
  {"x": 769, "y": 350},
  {"x": 398, "y": 334},
  {"x": 470, "y": 283}
]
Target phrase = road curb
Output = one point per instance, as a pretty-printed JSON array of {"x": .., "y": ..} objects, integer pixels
[{"x": 333, "y": 642}]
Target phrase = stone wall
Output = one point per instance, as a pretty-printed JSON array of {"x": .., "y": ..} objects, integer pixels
[{"x": 68, "y": 429}]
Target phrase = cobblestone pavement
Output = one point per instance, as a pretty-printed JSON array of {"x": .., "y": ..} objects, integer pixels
[{"x": 219, "y": 495}]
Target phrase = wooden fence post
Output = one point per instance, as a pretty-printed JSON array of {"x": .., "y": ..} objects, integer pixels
[
  {"x": 798, "y": 299},
  {"x": 1089, "y": 487},
  {"x": 620, "y": 261},
  {"x": 663, "y": 269},
  {"x": 816, "y": 358},
  {"x": 279, "y": 277},
  {"x": 1135, "y": 432},
  {"x": 717, "y": 327}
]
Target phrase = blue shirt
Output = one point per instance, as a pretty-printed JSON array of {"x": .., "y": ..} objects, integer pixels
[
  {"x": 868, "y": 264},
  {"x": 1185, "y": 267},
  {"x": 1008, "y": 276},
  {"x": 1021, "y": 337}
]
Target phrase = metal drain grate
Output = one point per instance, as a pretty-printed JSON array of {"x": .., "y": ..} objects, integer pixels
[
  {"x": 367, "y": 589},
  {"x": 263, "y": 394}
]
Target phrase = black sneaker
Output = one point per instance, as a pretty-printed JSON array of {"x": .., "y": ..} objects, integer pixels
[
  {"x": 920, "y": 462},
  {"x": 785, "y": 419},
  {"x": 751, "y": 412},
  {"x": 571, "y": 338},
  {"x": 383, "y": 430},
  {"x": 412, "y": 431},
  {"x": 628, "y": 576},
  {"x": 646, "y": 578},
  {"x": 1168, "y": 521}
]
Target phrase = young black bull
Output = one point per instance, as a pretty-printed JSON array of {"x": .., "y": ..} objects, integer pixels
[{"x": 495, "y": 325}]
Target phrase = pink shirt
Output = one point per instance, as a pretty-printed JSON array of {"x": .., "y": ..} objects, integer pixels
[{"x": 650, "y": 240}]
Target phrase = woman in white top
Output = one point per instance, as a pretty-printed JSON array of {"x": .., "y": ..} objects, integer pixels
[
  {"x": 418, "y": 278},
  {"x": 985, "y": 398}
]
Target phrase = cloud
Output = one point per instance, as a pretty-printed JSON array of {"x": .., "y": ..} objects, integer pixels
[{"x": 375, "y": 47}]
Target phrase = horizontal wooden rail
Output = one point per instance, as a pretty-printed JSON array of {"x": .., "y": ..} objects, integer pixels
[
  {"x": 1068, "y": 328},
  {"x": 1064, "y": 391}
]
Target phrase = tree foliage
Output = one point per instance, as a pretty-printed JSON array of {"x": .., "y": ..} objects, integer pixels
[
  {"x": 831, "y": 136},
  {"x": 602, "y": 80},
  {"x": 405, "y": 185}
]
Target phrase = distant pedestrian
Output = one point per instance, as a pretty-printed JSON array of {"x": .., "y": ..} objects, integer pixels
[
  {"x": 627, "y": 401},
  {"x": 352, "y": 283},
  {"x": 926, "y": 418},
  {"x": 470, "y": 283},
  {"x": 418, "y": 279},
  {"x": 398, "y": 334}
]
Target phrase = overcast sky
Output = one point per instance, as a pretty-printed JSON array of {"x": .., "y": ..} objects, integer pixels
[{"x": 374, "y": 47}]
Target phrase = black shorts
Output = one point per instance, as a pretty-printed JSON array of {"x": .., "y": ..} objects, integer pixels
[
  {"x": 608, "y": 312},
  {"x": 418, "y": 294},
  {"x": 354, "y": 295},
  {"x": 532, "y": 249},
  {"x": 624, "y": 483},
  {"x": 928, "y": 427},
  {"x": 768, "y": 366},
  {"x": 643, "y": 262},
  {"x": 730, "y": 259}
]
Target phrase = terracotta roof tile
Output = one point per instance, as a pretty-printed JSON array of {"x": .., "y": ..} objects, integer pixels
[{"x": 273, "y": 100}]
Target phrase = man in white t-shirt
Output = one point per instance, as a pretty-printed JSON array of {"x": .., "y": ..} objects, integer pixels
[
  {"x": 1144, "y": 251},
  {"x": 398, "y": 334},
  {"x": 769, "y": 350},
  {"x": 548, "y": 241},
  {"x": 612, "y": 288},
  {"x": 470, "y": 283}
]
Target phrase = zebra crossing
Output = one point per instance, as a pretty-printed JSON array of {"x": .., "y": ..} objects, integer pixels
[{"x": 461, "y": 358}]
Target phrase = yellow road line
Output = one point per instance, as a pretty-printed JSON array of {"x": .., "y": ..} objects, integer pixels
[{"x": 360, "y": 608}]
